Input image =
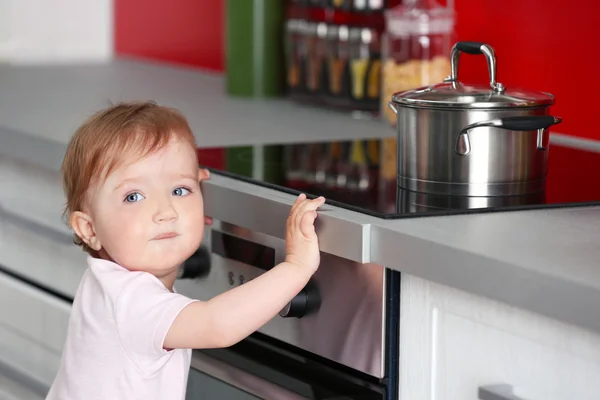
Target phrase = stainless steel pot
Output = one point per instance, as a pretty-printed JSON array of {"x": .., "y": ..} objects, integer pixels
[
  {"x": 415, "y": 202},
  {"x": 455, "y": 139}
]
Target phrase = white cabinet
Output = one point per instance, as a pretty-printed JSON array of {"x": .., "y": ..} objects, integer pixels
[
  {"x": 34, "y": 241},
  {"x": 452, "y": 343},
  {"x": 33, "y": 323},
  {"x": 33, "y": 329},
  {"x": 35, "y": 246}
]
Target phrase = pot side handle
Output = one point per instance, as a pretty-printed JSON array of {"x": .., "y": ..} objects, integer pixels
[
  {"x": 537, "y": 123},
  {"x": 393, "y": 107}
]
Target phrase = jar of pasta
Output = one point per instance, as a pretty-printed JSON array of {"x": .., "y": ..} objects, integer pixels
[{"x": 416, "y": 48}]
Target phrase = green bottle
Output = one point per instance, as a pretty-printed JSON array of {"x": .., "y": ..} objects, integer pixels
[{"x": 254, "y": 47}]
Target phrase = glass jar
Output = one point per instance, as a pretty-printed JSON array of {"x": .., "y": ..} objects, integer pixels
[
  {"x": 416, "y": 48},
  {"x": 337, "y": 66},
  {"x": 365, "y": 68},
  {"x": 294, "y": 56},
  {"x": 306, "y": 60}
]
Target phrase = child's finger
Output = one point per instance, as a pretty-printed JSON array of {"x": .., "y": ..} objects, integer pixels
[
  {"x": 294, "y": 210},
  {"x": 298, "y": 204},
  {"x": 308, "y": 206},
  {"x": 318, "y": 202},
  {"x": 307, "y": 223},
  {"x": 302, "y": 207}
]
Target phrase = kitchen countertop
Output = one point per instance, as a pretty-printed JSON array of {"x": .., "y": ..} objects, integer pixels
[
  {"x": 42, "y": 107},
  {"x": 546, "y": 261}
]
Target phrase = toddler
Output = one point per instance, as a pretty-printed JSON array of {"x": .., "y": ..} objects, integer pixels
[{"x": 134, "y": 202}]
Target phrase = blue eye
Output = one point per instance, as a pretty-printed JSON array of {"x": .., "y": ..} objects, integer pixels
[
  {"x": 134, "y": 197},
  {"x": 181, "y": 191}
]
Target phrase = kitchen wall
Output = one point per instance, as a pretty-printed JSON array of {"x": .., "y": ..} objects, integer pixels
[
  {"x": 55, "y": 31},
  {"x": 4, "y": 28},
  {"x": 181, "y": 31},
  {"x": 540, "y": 44}
]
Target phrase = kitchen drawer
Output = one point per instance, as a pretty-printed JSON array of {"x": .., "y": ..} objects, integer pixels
[
  {"x": 33, "y": 328},
  {"x": 453, "y": 343},
  {"x": 40, "y": 254},
  {"x": 32, "y": 193}
]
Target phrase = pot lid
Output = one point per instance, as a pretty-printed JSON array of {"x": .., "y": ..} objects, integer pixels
[
  {"x": 457, "y": 95},
  {"x": 453, "y": 94}
]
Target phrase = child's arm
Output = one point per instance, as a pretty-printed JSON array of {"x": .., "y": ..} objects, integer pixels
[{"x": 235, "y": 314}]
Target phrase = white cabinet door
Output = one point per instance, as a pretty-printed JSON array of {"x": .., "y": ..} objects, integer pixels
[
  {"x": 34, "y": 246},
  {"x": 40, "y": 254},
  {"x": 33, "y": 329},
  {"x": 452, "y": 343},
  {"x": 34, "y": 241}
]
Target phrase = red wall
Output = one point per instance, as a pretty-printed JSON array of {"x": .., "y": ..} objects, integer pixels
[
  {"x": 182, "y": 31},
  {"x": 540, "y": 44}
]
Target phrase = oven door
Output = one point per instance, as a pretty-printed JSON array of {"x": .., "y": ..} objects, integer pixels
[
  {"x": 211, "y": 378},
  {"x": 261, "y": 368}
]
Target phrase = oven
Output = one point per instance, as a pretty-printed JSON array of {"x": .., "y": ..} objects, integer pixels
[
  {"x": 259, "y": 369},
  {"x": 329, "y": 342}
]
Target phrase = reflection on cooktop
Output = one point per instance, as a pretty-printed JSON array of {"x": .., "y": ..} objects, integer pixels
[{"x": 361, "y": 175}]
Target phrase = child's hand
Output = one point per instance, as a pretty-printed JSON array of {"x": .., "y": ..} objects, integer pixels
[{"x": 302, "y": 245}]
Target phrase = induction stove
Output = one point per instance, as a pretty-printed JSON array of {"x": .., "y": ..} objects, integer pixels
[{"x": 360, "y": 175}]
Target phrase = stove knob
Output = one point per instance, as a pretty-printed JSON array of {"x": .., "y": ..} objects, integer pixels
[
  {"x": 306, "y": 302},
  {"x": 197, "y": 266}
]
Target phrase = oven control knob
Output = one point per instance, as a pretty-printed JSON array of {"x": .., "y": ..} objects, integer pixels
[
  {"x": 197, "y": 266},
  {"x": 306, "y": 302}
]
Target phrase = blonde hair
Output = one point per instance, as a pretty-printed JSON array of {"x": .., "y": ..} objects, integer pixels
[{"x": 119, "y": 133}]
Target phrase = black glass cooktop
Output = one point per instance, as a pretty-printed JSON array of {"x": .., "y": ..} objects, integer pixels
[{"x": 361, "y": 176}]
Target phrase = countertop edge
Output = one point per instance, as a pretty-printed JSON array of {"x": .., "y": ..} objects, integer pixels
[{"x": 567, "y": 301}]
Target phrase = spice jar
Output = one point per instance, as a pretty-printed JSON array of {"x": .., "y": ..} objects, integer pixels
[
  {"x": 338, "y": 69},
  {"x": 365, "y": 68},
  {"x": 315, "y": 56},
  {"x": 306, "y": 60},
  {"x": 341, "y": 4},
  {"x": 368, "y": 5},
  {"x": 416, "y": 48},
  {"x": 295, "y": 56}
]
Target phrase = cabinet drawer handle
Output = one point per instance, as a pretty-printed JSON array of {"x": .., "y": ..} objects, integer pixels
[{"x": 497, "y": 392}]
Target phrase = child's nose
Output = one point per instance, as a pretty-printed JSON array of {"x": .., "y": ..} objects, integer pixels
[{"x": 166, "y": 212}]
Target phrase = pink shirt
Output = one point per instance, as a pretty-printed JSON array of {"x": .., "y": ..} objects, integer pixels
[{"x": 116, "y": 332}]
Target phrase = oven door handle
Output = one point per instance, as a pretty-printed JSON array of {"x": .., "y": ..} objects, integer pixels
[
  {"x": 265, "y": 210},
  {"x": 241, "y": 379}
]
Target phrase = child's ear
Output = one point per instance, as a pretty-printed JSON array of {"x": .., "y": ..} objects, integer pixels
[{"x": 83, "y": 225}]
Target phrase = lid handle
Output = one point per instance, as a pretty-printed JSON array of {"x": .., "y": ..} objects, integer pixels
[{"x": 475, "y": 48}]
